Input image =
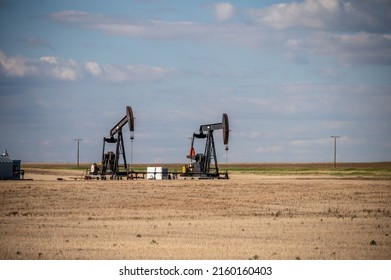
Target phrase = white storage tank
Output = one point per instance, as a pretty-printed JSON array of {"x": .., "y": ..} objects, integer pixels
[{"x": 157, "y": 173}]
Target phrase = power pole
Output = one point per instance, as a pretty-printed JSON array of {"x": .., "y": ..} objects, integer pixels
[
  {"x": 78, "y": 149},
  {"x": 335, "y": 149}
]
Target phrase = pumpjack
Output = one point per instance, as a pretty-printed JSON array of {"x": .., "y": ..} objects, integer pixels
[
  {"x": 110, "y": 164},
  {"x": 202, "y": 167}
]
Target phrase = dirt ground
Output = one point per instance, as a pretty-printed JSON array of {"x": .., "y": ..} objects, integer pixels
[{"x": 246, "y": 217}]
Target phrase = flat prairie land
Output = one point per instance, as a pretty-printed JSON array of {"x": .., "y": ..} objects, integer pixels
[{"x": 279, "y": 212}]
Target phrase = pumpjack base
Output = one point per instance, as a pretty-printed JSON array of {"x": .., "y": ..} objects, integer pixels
[
  {"x": 131, "y": 175},
  {"x": 202, "y": 176}
]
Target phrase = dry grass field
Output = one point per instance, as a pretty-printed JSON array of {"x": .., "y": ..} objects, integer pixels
[{"x": 262, "y": 213}]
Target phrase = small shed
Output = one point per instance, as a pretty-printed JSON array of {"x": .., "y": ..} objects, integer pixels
[{"x": 9, "y": 169}]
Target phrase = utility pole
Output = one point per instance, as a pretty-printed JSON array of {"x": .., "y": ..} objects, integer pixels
[
  {"x": 335, "y": 149},
  {"x": 78, "y": 149}
]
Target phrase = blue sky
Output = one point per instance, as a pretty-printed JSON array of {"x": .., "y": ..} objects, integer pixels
[{"x": 288, "y": 74}]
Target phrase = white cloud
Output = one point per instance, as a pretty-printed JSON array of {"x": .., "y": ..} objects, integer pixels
[
  {"x": 127, "y": 73},
  {"x": 224, "y": 11},
  {"x": 121, "y": 29},
  {"x": 16, "y": 66},
  {"x": 70, "y": 70},
  {"x": 134, "y": 73},
  {"x": 93, "y": 68},
  {"x": 348, "y": 32},
  {"x": 307, "y": 14},
  {"x": 361, "y": 47},
  {"x": 325, "y": 15},
  {"x": 73, "y": 16},
  {"x": 312, "y": 142},
  {"x": 49, "y": 59},
  {"x": 239, "y": 33},
  {"x": 65, "y": 70},
  {"x": 65, "y": 73},
  {"x": 152, "y": 72}
]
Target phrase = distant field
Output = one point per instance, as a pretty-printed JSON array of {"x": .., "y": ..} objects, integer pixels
[
  {"x": 342, "y": 169},
  {"x": 265, "y": 211}
]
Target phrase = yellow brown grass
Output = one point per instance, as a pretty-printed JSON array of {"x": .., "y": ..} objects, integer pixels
[{"x": 248, "y": 216}]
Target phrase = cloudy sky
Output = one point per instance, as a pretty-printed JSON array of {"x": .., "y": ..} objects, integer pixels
[{"x": 289, "y": 74}]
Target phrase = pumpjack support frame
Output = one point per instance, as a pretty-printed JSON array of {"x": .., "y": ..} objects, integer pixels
[
  {"x": 205, "y": 166},
  {"x": 110, "y": 164}
]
